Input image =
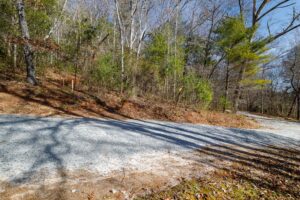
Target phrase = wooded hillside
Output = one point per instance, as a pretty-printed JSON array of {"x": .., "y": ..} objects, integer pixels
[{"x": 213, "y": 54}]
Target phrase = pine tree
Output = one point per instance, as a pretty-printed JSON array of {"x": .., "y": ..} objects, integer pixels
[{"x": 244, "y": 54}]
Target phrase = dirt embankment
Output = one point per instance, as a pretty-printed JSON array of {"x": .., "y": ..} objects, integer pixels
[{"x": 54, "y": 97}]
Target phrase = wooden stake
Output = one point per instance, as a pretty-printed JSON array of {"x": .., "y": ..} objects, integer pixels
[{"x": 72, "y": 85}]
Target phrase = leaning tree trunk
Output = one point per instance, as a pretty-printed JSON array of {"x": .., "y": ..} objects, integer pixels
[
  {"x": 292, "y": 106},
  {"x": 28, "y": 53}
]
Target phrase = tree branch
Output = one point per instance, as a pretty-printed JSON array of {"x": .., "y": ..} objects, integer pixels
[
  {"x": 265, "y": 2},
  {"x": 287, "y": 29}
]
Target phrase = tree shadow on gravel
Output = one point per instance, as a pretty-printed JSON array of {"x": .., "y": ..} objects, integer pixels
[
  {"x": 267, "y": 160},
  {"x": 46, "y": 154}
]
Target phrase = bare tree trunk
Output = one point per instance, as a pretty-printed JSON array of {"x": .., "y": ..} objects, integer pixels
[
  {"x": 15, "y": 46},
  {"x": 57, "y": 20},
  {"x": 262, "y": 102},
  {"x": 262, "y": 94},
  {"x": 207, "y": 49},
  {"x": 175, "y": 54},
  {"x": 122, "y": 36},
  {"x": 77, "y": 60},
  {"x": 122, "y": 65},
  {"x": 226, "y": 88},
  {"x": 133, "y": 9},
  {"x": 237, "y": 92},
  {"x": 27, "y": 47},
  {"x": 167, "y": 61},
  {"x": 114, "y": 40},
  {"x": 9, "y": 49},
  {"x": 298, "y": 107},
  {"x": 292, "y": 106},
  {"x": 15, "y": 53}
]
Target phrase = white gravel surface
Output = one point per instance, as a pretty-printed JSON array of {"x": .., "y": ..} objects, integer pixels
[
  {"x": 277, "y": 126},
  {"x": 30, "y": 144}
]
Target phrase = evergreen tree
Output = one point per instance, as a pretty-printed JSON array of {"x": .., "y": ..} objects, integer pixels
[{"x": 244, "y": 54}]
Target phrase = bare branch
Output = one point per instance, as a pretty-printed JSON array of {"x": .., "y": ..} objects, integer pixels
[
  {"x": 259, "y": 16},
  {"x": 290, "y": 27}
]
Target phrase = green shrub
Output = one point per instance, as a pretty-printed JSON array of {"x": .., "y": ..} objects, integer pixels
[
  {"x": 106, "y": 72},
  {"x": 223, "y": 103},
  {"x": 198, "y": 90},
  {"x": 204, "y": 92}
]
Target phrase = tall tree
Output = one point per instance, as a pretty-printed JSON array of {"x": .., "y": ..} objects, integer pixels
[
  {"x": 244, "y": 54},
  {"x": 28, "y": 52},
  {"x": 260, "y": 11},
  {"x": 292, "y": 75}
]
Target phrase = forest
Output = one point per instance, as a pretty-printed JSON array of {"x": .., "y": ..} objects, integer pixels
[{"x": 208, "y": 54}]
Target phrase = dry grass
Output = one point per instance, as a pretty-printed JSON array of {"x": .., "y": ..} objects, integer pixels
[{"x": 53, "y": 97}]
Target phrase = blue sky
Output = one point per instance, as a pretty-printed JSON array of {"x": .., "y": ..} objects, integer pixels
[{"x": 279, "y": 19}]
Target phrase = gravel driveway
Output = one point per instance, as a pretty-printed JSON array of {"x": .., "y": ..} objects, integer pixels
[
  {"x": 277, "y": 126},
  {"x": 30, "y": 144}
]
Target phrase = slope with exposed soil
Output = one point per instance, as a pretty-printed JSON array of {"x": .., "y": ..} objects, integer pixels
[{"x": 53, "y": 97}]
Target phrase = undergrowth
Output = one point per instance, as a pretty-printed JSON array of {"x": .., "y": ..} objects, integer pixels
[{"x": 218, "y": 186}]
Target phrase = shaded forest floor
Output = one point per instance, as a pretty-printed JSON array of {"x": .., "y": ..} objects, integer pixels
[{"x": 54, "y": 97}]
